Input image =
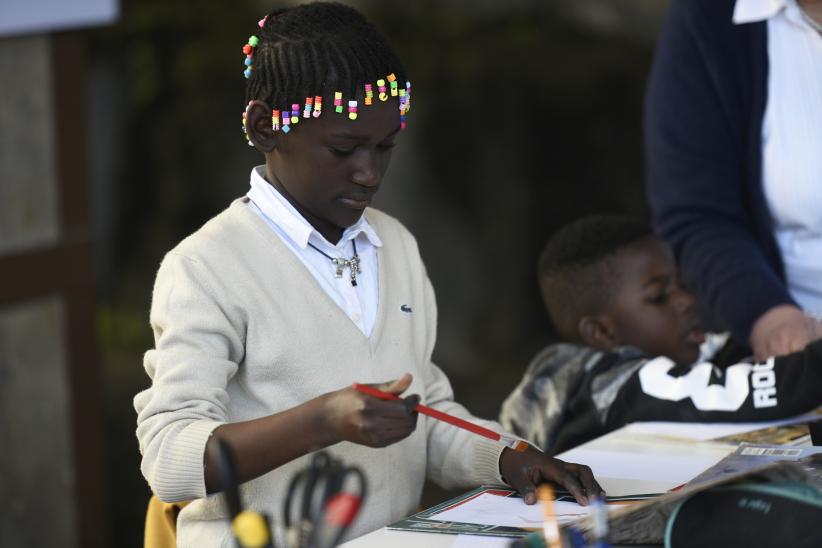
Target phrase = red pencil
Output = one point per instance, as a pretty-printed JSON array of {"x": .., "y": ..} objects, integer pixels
[{"x": 513, "y": 443}]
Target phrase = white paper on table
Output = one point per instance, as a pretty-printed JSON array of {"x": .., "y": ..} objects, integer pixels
[
  {"x": 636, "y": 466},
  {"x": 488, "y": 509},
  {"x": 709, "y": 431},
  {"x": 479, "y": 541}
]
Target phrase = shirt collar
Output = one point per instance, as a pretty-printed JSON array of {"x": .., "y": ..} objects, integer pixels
[
  {"x": 280, "y": 211},
  {"x": 754, "y": 11}
]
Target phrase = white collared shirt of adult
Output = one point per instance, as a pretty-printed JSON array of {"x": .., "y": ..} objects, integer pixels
[
  {"x": 360, "y": 302},
  {"x": 792, "y": 142}
]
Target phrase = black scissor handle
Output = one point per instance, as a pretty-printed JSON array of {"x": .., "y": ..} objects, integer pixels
[
  {"x": 228, "y": 477},
  {"x": 307, "y": 502}
]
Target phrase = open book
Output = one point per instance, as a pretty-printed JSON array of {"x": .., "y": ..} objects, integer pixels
[
  {"x": 749, "y": 456},
  {"x": 644, "y": 522}
]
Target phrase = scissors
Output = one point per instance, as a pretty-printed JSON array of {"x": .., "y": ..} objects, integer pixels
[{"x": 322, "y": 502}]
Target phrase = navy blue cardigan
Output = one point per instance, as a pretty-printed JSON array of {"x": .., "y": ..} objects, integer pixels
[{"x": 703, "y": 120}]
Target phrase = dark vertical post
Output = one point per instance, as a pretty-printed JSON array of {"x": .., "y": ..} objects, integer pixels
[{"x": 68, "y": 66}]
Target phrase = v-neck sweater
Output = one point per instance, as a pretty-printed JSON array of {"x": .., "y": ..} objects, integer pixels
[{"x": 242, "y": 330}]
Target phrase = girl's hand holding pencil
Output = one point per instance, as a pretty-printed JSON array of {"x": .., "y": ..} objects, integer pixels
[
  {"x": 507, "y": 441},
  {"x": 359, "y": 418},
  {"x": 522, "y": 466}
]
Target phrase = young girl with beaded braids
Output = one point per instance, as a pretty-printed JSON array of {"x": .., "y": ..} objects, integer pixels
[{"x": 266, "y": 315}]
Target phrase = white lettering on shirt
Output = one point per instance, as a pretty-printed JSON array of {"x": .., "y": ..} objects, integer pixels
[
  {"x": 655, "y": 381},
  {"x": 763, "y": 381}
]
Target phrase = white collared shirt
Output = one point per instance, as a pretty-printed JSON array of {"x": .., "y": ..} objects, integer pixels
[
  {"x": 360, "y": 302},
  {"x": 792, "y": 142}
]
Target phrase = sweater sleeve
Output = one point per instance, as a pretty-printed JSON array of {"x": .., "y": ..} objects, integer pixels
[
  {"x": 656, "y": 389},
  {"x": 570, "y": 395},
  {"x": 196, "y": 352},
  {"x": 456, "y": 458},
  {"x": 538, "y": 407},
  {"x": 699, "y": 168}
]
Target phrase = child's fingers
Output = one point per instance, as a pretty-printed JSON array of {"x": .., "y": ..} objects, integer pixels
[
  {"x": 401, "y": 409},
  {"x": 397, "y": 386},
  {"x": 524, "y": 470},
  {"x": 579, "y": 480},
  {"x": 519, "y": 480},
  {"x": 396, "y": 432},
  {"x": 577, "y": 487},
  {"x": 397, "y": 436},
  {"x": 387, "y": 429},
  {"x": 586, "y": 477},
  {"x": 572, "y": 484},
  {"x": 411, "y": 402}
]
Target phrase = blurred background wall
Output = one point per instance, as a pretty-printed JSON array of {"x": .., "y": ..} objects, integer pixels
[
  {"x": 52, "y": 489},
  {"x": 526, "y": 115}
]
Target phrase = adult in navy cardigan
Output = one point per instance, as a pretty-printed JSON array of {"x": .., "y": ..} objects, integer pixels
[{"x": 703, "y": 121}]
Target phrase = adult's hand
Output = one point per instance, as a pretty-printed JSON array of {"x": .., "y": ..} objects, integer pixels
[
  {"x": 525, "y": 470},
  {"x": 353, "y": 416},
  {"x": 781, "y": 330}
]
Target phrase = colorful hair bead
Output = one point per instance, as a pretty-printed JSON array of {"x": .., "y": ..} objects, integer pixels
[
  {"x": 284, "y": 120},
  {"x": 392, "y": 80},
  {"x": 248, "y": 49},
  {"x": 403, "y": 107},
  {"x": 245, "y": 124},
  {"x": 261, "y": 22}
]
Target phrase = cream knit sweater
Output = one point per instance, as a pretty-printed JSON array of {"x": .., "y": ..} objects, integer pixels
[{"x": 242, "y": 330}]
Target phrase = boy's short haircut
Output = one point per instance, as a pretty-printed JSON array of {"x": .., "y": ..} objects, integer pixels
[{"x": 574, "y": 274}]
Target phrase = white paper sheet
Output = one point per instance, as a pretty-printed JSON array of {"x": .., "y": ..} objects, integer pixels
[
  {"x": 637, "y": 466},
  {"x": 710, "y": 431},
  {"x": 488, "y": 509}
]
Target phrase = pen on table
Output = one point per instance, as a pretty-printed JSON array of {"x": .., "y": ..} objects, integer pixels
[
  {"x": 513, "y": 443},
  {"x": 545, "y": 494},
  {"x": 599, "y": 523}
]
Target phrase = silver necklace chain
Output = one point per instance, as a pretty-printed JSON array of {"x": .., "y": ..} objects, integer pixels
[{"x": 352, "y": 264}]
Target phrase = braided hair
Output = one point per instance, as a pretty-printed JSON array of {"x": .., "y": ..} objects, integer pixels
[{"x": 315, "y": 49}]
